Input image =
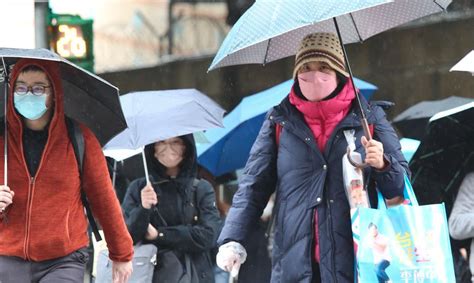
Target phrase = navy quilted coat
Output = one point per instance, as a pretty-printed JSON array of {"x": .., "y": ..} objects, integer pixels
[{"x": 306, "y": 180}]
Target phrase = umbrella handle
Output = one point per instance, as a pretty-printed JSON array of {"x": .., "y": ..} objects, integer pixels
[
  {"x": 355, "y": 164},
  {"x": 365, "y": 126}
]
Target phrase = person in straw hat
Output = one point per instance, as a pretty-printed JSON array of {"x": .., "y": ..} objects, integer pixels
[{"x": 298, "y": 154}]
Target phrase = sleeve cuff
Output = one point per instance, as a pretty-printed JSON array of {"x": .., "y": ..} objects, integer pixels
[{"x": 388, "y": 165}]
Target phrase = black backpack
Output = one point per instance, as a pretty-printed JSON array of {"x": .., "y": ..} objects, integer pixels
[{"x": 77, "y": 140}]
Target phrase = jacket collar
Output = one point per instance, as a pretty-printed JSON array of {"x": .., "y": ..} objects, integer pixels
[
  {"x": 286, "y": 112},
  {"x": 289, "y": 117}
]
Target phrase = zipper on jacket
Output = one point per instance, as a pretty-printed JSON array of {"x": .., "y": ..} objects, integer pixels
[
  {"x": 31, "y": 184},
  {"x": 313, "y": 238},
  {"x": 333, "y": 264},
  {"x": 28, "y": 212}
]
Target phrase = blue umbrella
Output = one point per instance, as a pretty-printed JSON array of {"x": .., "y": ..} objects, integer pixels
[
  {"x": 409, "y": 147},
  {"x": 229, "y": 147}
]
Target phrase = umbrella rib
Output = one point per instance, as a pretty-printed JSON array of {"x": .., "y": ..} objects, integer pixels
[
  {"x": 266, "y": 52},
  {"x": 441, "y": 7},
  {"x": 458, "y": 172},
  {"x": 355, "y": 25},
  {"x": 462, "y": 125}
]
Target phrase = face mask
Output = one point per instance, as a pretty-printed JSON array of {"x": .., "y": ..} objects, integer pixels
[
  {"x": 30, "y": 106},
  {"x": 169, "y": 158},
  {"x": 316, "y": 85}
]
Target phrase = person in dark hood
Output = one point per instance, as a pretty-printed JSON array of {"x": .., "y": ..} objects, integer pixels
[
  {"x": 43, "y": 228},
  {"x": 298, "y": 154},
  {"x": 174, "y": 210}
]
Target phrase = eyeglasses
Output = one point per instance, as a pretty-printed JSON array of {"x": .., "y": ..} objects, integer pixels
[
  {"x": 22, "y": 89},
  {"x": 176, "y": 145}
]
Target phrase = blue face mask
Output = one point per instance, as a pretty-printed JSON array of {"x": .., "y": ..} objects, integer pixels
[{"x": 30, "y": 106}]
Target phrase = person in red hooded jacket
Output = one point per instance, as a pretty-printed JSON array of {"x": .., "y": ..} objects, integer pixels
[{"x": 43, "y": 228}]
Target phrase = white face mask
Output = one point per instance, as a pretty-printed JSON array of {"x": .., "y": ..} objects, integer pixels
[{"x": 170, "y": 154}]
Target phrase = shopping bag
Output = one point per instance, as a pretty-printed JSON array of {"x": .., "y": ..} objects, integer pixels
[{"x": 406, "y": 243}]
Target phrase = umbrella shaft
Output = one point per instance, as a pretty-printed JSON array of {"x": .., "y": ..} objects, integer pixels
[
  {"x": 145, "y": 166},
  {"x": 5, "y": 132},
  {"x": 114, "y": 175},
  {"x": 363, "y": 119}
]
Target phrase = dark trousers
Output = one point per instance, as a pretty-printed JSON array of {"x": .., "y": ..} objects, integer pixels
[
  {"x": 65, "y": 269},
  {"x": 380, "y": 271}
]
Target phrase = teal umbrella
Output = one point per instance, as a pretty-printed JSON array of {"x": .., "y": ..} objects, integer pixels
[{"x": 271, "y": 30}]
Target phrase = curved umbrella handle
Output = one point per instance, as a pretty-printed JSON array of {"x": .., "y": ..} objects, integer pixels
[
  {"x": 354, "y": 163},
  {"x": 365, "y": 126}
]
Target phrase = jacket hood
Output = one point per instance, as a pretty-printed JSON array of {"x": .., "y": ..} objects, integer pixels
[
  {"x": 188, "y": 167},
  {"x": 52, "y": 72}
]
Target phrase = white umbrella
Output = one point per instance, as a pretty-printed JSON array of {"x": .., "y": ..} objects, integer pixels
[
  {"x": 158, "y": 115},
  {"x": 466, "y": 64}
]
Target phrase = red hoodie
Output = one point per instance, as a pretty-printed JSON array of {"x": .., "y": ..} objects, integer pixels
[
  {"x": 322, "y": 117},
  {"x": 46, "y": 219}
]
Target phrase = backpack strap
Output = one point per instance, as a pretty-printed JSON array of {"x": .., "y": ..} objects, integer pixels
[{"x": 77, "y": 140}]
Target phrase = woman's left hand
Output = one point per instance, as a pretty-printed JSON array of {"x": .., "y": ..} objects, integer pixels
[
  {"x": 151, "y": 233},
  {"x": 373, "y": 153}
]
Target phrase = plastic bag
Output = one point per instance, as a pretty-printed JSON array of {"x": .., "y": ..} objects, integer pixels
[{"x": 353, "y": 177}]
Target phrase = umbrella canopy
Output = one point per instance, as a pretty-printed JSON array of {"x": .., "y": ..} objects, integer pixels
[
  {"x": 87, "y": 98},
  {"x": 466, "y": 64},
  {"x": 444, "y": 156},
  {"x": 271, "y": 30},
  {"x": 157, "y": 115},
  {"x": 229, "y": 147},
  {"x": 413, "y": 121},
  {"x": 122, "y": 154},
  {"x": 409, "y": 147}
]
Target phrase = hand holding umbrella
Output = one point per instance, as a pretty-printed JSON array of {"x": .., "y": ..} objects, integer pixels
[
  {"x": 374, "y": 153},
  {"x": 148, "y": 196},
  {"x": 6, "y": 197}
]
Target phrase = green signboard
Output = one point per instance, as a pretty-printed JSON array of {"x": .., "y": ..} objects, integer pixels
[{"x": 72, "y": 37}]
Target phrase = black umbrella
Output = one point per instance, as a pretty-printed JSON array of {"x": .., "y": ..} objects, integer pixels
[
  {"x": 444, "y": 156},
  {"x": 87, "y": 98},
  {"x": 413, "y": 122}
]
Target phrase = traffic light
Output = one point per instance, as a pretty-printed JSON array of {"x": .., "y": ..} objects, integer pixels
[{"x": 72, "y": 37}]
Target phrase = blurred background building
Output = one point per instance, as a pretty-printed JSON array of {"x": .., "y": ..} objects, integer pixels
[{"x": 162, "y": 44}]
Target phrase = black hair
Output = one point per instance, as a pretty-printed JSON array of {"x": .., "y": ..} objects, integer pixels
[
  {"x": 372, "y": 225},
  {"x": 31, "y": 68}
]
